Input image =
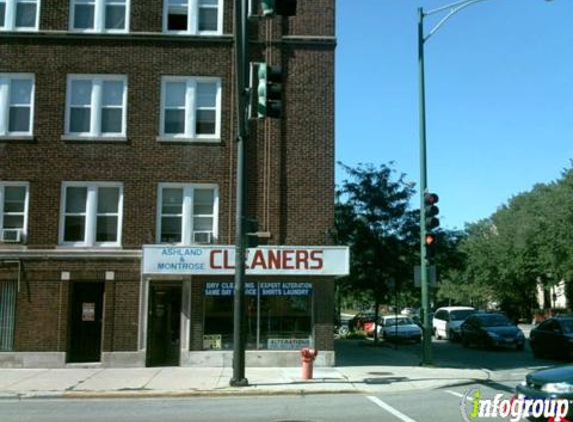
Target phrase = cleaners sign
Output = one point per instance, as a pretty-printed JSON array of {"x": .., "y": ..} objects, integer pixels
[{"x": 220, "y": 260}]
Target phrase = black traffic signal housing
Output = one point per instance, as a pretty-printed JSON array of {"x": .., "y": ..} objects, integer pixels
[
  {"x": 431, "y": 211},
  {"x": 251, "y": 232},
  {"x": 269, "y": 91},
  {"x": 278, "y": 7},
  {"x": 431, "y": 223}
]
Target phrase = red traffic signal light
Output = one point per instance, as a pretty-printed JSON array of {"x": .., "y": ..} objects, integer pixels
[{"x": 430, "y": 239}]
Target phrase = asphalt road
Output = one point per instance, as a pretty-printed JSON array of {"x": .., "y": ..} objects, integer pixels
[{"x": 441, "y": 405}]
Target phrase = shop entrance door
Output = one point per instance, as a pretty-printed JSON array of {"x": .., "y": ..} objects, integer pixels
[
  {"x": 164, "y": 325},
  {"x": 86, "y": 322}
]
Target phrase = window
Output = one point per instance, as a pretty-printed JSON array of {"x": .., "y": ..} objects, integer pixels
[
  {"x": 91, "y": 214},
  {"x": 187, "y": 214},
  {"x": 96, "y": 106},
  {"x": 190, "y": 109},
  {"x": 279, "y": 315},
  {"x": 16, "y": 104},
  {"x": 8, "y": 292},
  {"x": 194, "y": 17},
  {"x": 19, "y": 15},
  {"x": 99, "y": 15},
  {"x": 13, "y": 211}
]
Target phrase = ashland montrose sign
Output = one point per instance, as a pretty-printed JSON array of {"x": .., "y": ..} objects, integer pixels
[{"x": 268, "y": 260}]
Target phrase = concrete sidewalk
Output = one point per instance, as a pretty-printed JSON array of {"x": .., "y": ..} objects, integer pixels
[{"x": 183, "y": 382}]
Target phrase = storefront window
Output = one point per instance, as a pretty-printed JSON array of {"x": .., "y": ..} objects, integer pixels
[{"x": 279, "y": 316}]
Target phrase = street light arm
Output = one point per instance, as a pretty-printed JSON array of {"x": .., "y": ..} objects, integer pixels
[{"x": 454, "y": 8}]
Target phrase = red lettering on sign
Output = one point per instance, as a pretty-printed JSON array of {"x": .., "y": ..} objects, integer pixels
[
  {"x": 226, "y": 262},
  {"x": 212, "y": 259},
  {"x": 302, "y": 260},
  {"x": 316, "y": 257},
  {"x": 259, "y": 260},
  {"x": 274, "y": 259},
  {"x": 288, "y": 257}
]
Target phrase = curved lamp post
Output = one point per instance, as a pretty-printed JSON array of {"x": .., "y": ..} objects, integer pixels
[{"x": 449, "y": 10}]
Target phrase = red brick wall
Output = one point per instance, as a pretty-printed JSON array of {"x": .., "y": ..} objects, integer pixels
[{"x": 291, "y": 161}]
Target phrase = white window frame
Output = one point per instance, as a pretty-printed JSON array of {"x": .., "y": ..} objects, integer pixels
[
  {"x": 25, "y": 185},
  {"x": 10, "y": 16},
  {"x": 91, "y": 214},
  {"x": 193, "y": 19},
  {"x": 190, "y": 110},
  {"x": 5, "y": 86},
  {"x": 95, "y": 108},
  {"x": 187, "y": 210},
  {"x": 99, "y": 18}
]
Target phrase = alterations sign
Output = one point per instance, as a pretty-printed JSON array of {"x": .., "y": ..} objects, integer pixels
[{"x": 220, "y": 260}]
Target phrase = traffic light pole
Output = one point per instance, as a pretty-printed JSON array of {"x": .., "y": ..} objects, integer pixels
[
  {"x": 427, "y": 355},
  {"x": 242, "y": 95}
]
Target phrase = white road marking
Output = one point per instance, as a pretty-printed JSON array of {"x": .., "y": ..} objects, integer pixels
[
  {"x": 390, "y": 409},
  {"x": 455, "y": 393}
]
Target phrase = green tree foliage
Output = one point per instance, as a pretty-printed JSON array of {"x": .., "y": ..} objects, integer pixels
[
  {"x": 524, "y": 242},
  {"x": 373, "y": 217}
]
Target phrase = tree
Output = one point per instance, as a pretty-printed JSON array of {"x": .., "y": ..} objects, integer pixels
[{"x": 373, "y": 217}]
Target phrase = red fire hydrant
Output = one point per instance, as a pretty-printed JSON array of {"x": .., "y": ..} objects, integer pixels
[{"x": 307, "y": 356}]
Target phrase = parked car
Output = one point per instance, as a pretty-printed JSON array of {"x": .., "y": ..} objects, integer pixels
[
  {"x": 447, "y": 321},
  {"x": 360, "y": 320},
  {"x": 553, "y": 383},
  {"x": 553, "y": 337},
  {"x": 489, "y": 330},
  {"x": 399, "y": 328}
]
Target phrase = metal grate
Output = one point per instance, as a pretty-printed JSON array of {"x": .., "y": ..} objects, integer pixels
[{"x": 7, "y": 314}]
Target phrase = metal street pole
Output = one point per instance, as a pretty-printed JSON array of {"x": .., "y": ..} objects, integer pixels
[
  {"x": 242, "y": 95},
  {"x": 452, "y": 9},
  {"x": 427, "y": 356}
]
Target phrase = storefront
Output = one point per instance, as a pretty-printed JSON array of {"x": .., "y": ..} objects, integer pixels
[{"x": 187, "y": 304}]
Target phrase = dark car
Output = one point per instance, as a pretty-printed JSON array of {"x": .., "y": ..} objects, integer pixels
[
  {"x": 553, "y": 383},
  {"x": 489, "y": 330},
  {"x": 553, "y": 337}
]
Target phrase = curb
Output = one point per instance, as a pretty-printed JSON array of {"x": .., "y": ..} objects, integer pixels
[{"x": 245, "y": 392}]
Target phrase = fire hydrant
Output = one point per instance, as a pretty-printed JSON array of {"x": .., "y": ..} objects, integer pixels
[{"x": 307, "y": 356}]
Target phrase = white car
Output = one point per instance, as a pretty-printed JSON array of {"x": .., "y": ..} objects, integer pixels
[
  {"x": 399, "y": 327},
  {"x": 447, "y": 321}
]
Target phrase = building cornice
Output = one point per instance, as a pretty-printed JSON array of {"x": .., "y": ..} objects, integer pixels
[
  {"x": 126, "y": 37},
  {"x": 55, "y": 254}
]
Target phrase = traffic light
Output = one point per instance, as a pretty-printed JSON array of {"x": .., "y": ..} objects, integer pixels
[
  {"x": 269, "y": 91},
  {"x": 251, "y": 232},
  {"x": 278, "y": 7},
  {"x": 430, "y": 201},
  {"x": 431, "y": 222},
  {"x": 430, "y": 247}
]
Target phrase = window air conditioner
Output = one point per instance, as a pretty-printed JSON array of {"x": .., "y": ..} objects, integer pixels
[
  {"x": 11, "y": 235},
  {"x": 202, "y": 237}
]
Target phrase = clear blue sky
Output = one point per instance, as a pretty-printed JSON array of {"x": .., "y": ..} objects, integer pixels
[{"x": 499, "y": 97}]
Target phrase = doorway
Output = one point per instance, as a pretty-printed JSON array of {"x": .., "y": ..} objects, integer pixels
[
  {"x": 86, "y": 322},
  {"x": 164, "y": 325}
]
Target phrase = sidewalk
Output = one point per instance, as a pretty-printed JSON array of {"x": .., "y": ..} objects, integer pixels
[{"x": 92, "y": 382}]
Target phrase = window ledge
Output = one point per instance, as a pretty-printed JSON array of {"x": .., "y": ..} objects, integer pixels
[
  {"x": 94, "y": 138},
  {"x": 84, "y": 248},
  {"x": 16, "y": 138},
  {"x": 172, "y": 139}
]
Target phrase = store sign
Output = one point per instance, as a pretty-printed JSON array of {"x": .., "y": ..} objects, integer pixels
[
  {"x": 287, "y": 343},
  {"x": 220, "y": 260},
  {"x": 264, "y": 289},
  {"x": 88, "y": 311},
  {"x": 212, "y": 342}
]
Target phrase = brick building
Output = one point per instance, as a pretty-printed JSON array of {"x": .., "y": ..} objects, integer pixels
[{"x": 116, "y": 131}]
